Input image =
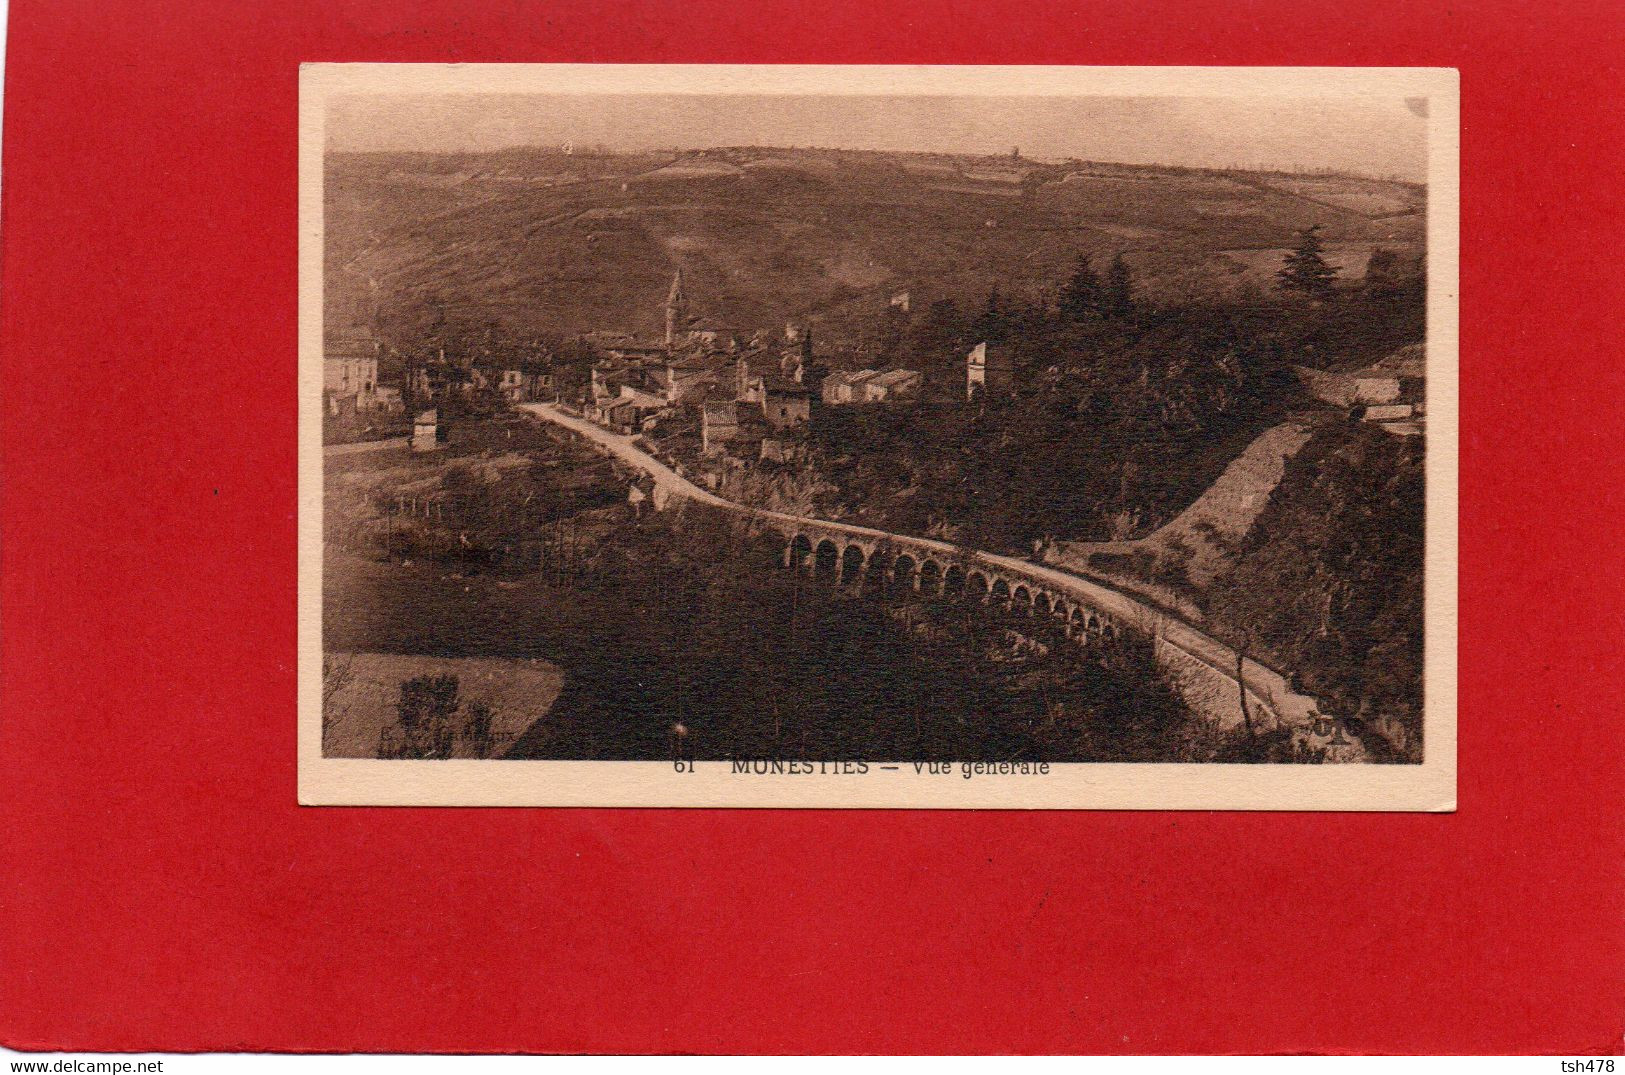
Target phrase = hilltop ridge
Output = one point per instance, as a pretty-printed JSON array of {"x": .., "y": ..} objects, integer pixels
[{"x": 541, "y": 241}]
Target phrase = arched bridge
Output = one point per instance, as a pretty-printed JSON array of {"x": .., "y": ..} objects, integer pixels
[
  {"x": 854, "y": 556},
  {"x": 1204, "y": 669}
]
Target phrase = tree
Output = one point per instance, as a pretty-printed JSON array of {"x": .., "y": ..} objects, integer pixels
[
  {"x": 477, "y": 727},
  {"x": 1081, "y": 296},
  {"x": 1305, "y": 269},
  {"x": 1328, "y": 584},
  {"x": 423, "y": 725},
  {"x": 994, "y": 321},
  {"x": 1119, "y": 294},
  {"x": 939, "y": 329},
  {"x": 885, "y": 338}
]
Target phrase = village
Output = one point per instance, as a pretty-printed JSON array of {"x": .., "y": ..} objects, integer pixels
[
  {"x": 707, "y": 394},
  {"x": 714, "y": 399}
]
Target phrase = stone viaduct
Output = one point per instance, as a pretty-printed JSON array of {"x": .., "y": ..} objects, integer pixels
[
  {"x": 892, "y": 561},
  {"x": 1205, "y": 670}
]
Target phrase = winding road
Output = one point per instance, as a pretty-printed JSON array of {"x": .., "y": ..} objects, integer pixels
[{"x": 1205, "y": 668}]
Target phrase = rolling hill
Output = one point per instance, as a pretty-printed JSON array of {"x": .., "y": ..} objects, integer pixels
[{"x": 539, "y": 241}]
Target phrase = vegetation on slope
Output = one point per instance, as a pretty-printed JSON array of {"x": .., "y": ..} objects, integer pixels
[
  {"x": 1118, "y": 422},
  {"x": 1329, "y": 582}
]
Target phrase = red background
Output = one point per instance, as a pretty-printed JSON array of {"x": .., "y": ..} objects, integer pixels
[{"x": 162, "y": 891}]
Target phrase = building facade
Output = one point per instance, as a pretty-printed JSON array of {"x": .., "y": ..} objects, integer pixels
[
  {"x": 843, "y": 387},
  {"x": 350, "y": 368},
  {"x": 989, "y": 370},
  {"x": 785, "y": 404}
]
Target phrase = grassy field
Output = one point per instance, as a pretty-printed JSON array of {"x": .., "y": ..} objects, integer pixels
[{"x": 366, "y": 688}]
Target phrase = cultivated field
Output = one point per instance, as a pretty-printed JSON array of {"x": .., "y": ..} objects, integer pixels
[{"x": 543, "y": 242}]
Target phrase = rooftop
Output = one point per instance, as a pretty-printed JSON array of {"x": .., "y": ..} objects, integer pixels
[
  {"x": 844, "y": 377},
  {"x": 780, "y": 385},
  {"x": 894, "y": 377},
  {"x": 350, "y": 347},
  {"x": 1408, "y": 361}
]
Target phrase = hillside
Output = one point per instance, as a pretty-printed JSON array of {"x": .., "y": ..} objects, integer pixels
[
  {"x": 1196, "y": 544},
  {"x": 536, "y": 241},
  {"x": 1328, "y": 582}
]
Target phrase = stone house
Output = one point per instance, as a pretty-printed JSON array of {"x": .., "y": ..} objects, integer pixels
[
  {"x": 1391, "y": 392},
  {"x": 422, "y": 383},
  {"x": 350, "y": 368},
  {"x": 646, "y": 400},
  {"x": 787, "y": 447},
  {"x": 733, "y": 429},
  {"x": 644, "y": 495},
  {"x": 616, "y": 412},
  {"x": 522, "y": 385},
  {"x": 893, "y": 384},
  {"x": 785, "y": 404},
  {"x": 843, "y": 387},
  {"x": 1375, "y": 388},
  {"x": 682, "y": 379}
]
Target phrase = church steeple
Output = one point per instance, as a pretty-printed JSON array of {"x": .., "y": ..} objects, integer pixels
[{"x": 676, "y": 308}]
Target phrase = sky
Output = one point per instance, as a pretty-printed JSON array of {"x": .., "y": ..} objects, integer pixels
[{"x": 1369, "y": 136}]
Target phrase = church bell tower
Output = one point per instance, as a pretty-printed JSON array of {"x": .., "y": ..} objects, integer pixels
[{"x": 676, "y": 309}]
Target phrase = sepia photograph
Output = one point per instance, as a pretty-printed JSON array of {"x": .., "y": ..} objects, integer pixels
[
  {"x": 928, "y": 537},
  {"x": 979, "y": 437}
]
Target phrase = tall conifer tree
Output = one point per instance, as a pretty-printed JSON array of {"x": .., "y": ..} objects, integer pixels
[
  {"x": 1081, "y": 296},
  {"x": 1119, "y": 297},
  {"x": 1305, "y": 269}
]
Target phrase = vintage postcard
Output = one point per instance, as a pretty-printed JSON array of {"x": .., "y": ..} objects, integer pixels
[{"x": 937, "y": 437}]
